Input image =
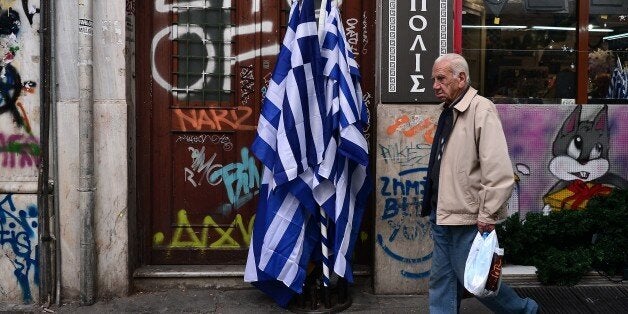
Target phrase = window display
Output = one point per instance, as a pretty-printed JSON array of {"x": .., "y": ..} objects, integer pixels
[{"x": 523, "y": 51}]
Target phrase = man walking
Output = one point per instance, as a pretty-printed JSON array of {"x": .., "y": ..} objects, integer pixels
[{"x": 469, "y": 182}]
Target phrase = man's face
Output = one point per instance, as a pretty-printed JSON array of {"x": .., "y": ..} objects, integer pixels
[{"x": 447, "y": 86}]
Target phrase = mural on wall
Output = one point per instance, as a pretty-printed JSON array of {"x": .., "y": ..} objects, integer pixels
[
  {"x": 581, "y": 163},
  {"x": 19, "y": 145},
  {"x": 20, "y": 149},
  {"x": 577, "y": 153},
  {"x": 562, "y": 156},
  {"x": 18, "y": 239}
]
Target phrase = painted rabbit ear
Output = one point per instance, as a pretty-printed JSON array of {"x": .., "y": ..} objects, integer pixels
[
  {"x": 601, "y": 119},
  {"x": 572, "y": 121}
]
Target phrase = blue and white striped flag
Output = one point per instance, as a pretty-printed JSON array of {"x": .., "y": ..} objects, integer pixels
[
  {"x": 344, "y": 185},
  {"x": 618, "y": 87},
  {"x": 290, "y": 145}
]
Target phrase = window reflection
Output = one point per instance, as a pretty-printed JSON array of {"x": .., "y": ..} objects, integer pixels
[
  {"x": 521, "y": 51},
  {"x": 608, "y": 56}
]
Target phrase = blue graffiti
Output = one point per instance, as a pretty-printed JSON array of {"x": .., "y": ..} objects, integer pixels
[
  {"x": 404, "y": 187},
  {"x": 18, "y": 228},
  {"x": 401, "y": 212},
  {"x": 420, "y": 275},
  {"x": 406, "y": 260},
  {"x": 244, "y": 175},
  {"x": 241, "y": 179}
]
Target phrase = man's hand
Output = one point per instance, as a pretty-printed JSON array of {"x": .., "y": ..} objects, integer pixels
[{"x": 484, "y": 227}]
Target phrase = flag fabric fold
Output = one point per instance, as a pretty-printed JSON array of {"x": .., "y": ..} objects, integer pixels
[
  {"x": 310, "y": 142},
  {"x": 285, "y": 232},
  {"x": 344, "y": 186}
]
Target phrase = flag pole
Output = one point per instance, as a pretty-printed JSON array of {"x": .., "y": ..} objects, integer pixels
[
  {"x": 322, "y": 16},
  {"x": 325, "y": 252}
]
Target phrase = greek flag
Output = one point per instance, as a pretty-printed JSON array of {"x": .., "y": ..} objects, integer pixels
[
  {"x": 344, "y": 185},
  {"x": 310, "y": 142},
  {"x": 618, "y": 88},
  {"x": 290, "y": 144}
]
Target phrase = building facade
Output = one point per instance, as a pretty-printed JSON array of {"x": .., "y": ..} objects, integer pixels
[{"x": 125, "y": 128}]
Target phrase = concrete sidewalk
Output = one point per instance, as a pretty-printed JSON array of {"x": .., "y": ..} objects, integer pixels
[
  {"x": 239, "y": 301},
  {"x": 579, "y": 299}
]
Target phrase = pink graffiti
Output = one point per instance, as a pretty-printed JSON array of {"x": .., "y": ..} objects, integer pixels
[{"x": 19, "y": 150}]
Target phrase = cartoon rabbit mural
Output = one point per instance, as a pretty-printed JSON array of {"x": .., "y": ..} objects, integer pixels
[{"x": 581, "y": 163}]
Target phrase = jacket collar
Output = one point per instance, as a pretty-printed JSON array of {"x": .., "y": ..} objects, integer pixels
[
  {"x": 464, "y": 103},
  {"x": 464, "y": 100}
]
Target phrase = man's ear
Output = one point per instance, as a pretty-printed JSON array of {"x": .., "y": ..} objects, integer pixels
[{"x": 463, "y": 79}]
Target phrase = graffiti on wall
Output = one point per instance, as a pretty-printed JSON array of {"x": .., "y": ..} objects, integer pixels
[
  {"x": 224, "y": 119},
  {"x": 212, "y": 234},
  {"x": 577, "y": 154},
  {"x": 196, "y": 33},
  {"x": 562, "y": 157},
  {"x": 411, "y": 127},
  {"x": 18, "y": 238},
  {"x": 11, "y": 84},
  {"x": 402, "y": 198},
  {"x": 241, "y": 180},
  {"x": 403, "y": 150},
  {"x": 19, "y": 148}
]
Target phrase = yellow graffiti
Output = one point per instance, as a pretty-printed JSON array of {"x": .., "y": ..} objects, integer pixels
[
  {"x": 7, "y": 3},
  {"x": 185, "y": 237}
]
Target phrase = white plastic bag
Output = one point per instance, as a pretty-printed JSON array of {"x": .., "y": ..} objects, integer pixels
[{"x": 479, "y": 264}]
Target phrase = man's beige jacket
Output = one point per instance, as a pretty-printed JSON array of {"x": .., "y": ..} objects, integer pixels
[{"x": 476, "y": 175}]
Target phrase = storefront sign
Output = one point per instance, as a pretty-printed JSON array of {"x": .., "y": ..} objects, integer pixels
[{"x": 415, "y": 33}]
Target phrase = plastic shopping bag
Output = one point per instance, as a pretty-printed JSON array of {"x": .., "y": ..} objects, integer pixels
[{"x": 482, "y": 272}]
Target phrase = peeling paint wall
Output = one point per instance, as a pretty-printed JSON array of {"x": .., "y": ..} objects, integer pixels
[
  {"x": 403, "y": 248},
  {"x": 19, "y": 149}
]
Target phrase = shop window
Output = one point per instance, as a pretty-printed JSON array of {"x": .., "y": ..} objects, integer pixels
[
  {"x": 521, "y": 51},
  {"x": 608, "y": 52}
]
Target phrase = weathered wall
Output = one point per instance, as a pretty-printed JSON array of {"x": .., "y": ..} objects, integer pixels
[
  {"x": 19, "y": 149},
  {"x": 549, "y": 176},
  {"x": 111, "y": 145},
  {"x": 403, "y": 248}
]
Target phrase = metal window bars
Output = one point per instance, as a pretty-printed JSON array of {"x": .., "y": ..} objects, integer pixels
[{"x": 203, "y": 53}]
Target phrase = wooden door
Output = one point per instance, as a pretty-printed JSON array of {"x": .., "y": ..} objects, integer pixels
[{"x": 202, "y": 70}]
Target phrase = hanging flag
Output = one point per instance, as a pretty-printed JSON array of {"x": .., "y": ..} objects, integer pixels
[
  {"x": 289, "y": 143},
  {"x": 618, "y": 87},
  {"x": 344, "y": 185}
]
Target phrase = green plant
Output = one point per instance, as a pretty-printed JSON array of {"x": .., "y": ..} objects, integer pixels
[
  {"x": 610, "y": 241},
  {"x": 563, "y": 267},
  {"x": 565, "y": 245}
]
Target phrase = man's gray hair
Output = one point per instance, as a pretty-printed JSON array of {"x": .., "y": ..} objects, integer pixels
[{"x": 457, "y": 63}]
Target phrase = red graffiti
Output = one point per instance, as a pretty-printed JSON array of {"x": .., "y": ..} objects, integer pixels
[
  {"x": 228, "y": 119},
  {"x": 411, "y": 128}
]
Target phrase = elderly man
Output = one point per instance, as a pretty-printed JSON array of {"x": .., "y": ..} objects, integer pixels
[{"x": 469, "y": 182}]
